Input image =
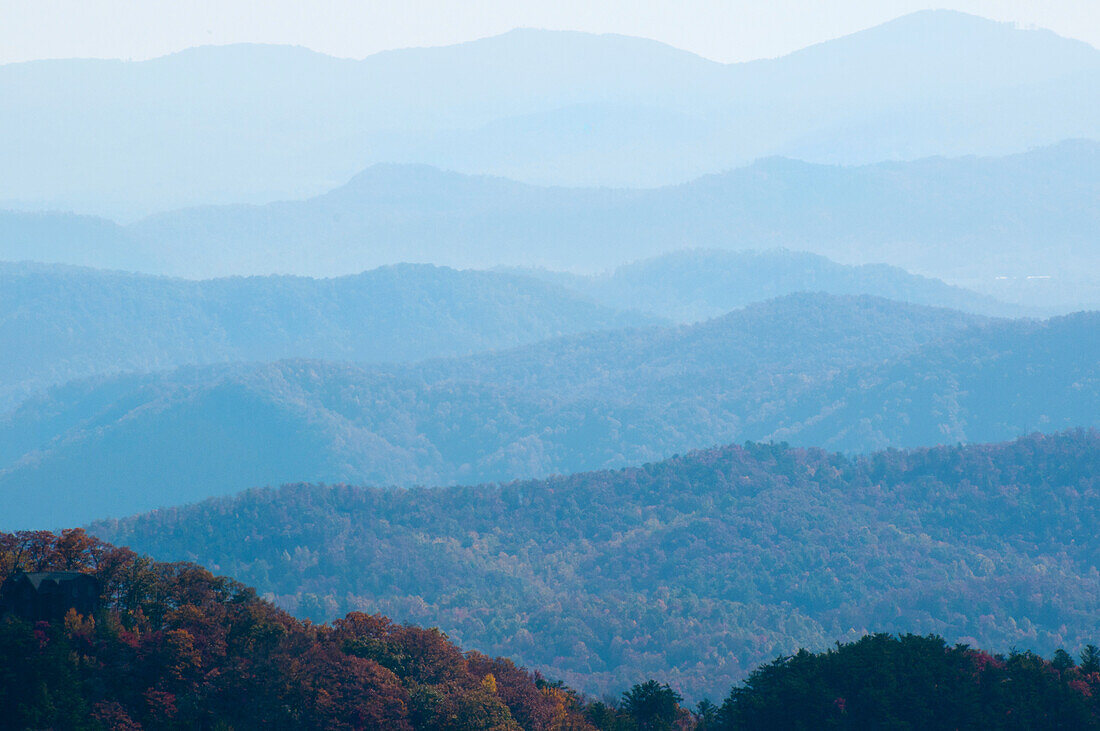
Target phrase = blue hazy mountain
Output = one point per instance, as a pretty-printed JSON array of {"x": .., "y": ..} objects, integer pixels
[
  {"x": 697, "y": 284},
  {"x": 66, "y": 238},
  {"x": 966, "y": 220},
  {"x": 120, "y": 444},
  {"x": 64, "y": 322},
  {"x": 61, "y": 323},
  {"x": 254, "y": 123}
]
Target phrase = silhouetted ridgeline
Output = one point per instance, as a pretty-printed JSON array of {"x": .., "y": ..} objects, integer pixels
[
  {"x": 173, "y": 646},
  {"x": 698, "y": 284},
  {"x": 63, "y": 322},
  {"x": 967, "y": 220},
  {"x": 692, "y": 570}
]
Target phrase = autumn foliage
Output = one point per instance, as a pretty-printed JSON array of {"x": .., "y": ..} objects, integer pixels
[{"x": 176, "y": 647}]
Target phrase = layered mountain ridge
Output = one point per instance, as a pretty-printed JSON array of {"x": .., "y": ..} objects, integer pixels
[
  {"x": 544, "y": 106},
  {"x": 853, "y": 373}
]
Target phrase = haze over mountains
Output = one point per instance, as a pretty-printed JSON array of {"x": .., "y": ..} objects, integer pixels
[
  {"x": 985, "y": 223},
  {"x": 698, "y": 284},
  {"x": 850, "y": 373},
  {"x": 59, "y": 323},
  {"x": 451, "y": 334},
  {"x": 260, "y": 123}
]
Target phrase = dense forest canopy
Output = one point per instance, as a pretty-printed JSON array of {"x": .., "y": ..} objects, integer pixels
[
  {"x": 608, "y": 399},
  {"x": 914, "y": 682},
  {"x": 171, "y": 646},
  {"x": 175, "y": 647},
  {"x": 692, "y": 570}
]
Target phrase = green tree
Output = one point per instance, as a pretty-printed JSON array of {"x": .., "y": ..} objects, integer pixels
[
  {"x": 1062, "y": 660},
  {"x": 1090, "y": 659},
  {"x": 652, "y": 705},
  {"x": 706, "y": 715}
]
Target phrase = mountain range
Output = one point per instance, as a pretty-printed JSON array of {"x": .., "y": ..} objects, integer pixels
[
  {"x": 639, "y": 368},
  {"x": 59, "y": 323},
  {"x": 253, "y": 123},
  {"x": 1020, "y": 227},
  {"x": 698, "y": 284},
  {"x": 62, "y": 323},
  {"x": 851, "y": 373},
  {"x": 690, "y": 570}
]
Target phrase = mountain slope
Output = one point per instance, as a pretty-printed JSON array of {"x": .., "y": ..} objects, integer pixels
[
  {"x": 61, "y": 323},
  {"x": 693, "y": 285},
  {"x": 250, "y": 123},
  {"x": 173, "y": 646},
  {"x": 852, "y": 373},
  {"x": 977, "y": 386},
  {"x": 593, "y": 400},
  {"x": 691, "y": 570},
  {"x": 966, "y": 220},
  {"x": 64, "y": 238}
]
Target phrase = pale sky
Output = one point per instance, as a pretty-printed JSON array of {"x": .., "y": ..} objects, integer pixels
[{"x": 724, "y": 30}]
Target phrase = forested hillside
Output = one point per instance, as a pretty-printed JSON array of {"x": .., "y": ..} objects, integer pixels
[
  {"x": 175, "y": 647},
  {"x": 171, "y": 646},
  {"x": 847, "y": 373},
  {"x": 120, "y": 445},
  {"x": 916, "y": 683},
  {"x": 980, "y": 385},
  {"x": 692, "y": 570},
  {"x": 61, "y": 323}
]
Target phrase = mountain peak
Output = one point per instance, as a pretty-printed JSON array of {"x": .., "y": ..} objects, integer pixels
[{"x": 946, "y": 42}]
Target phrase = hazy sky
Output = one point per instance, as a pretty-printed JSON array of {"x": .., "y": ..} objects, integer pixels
[{"x": 725, "y": 30}]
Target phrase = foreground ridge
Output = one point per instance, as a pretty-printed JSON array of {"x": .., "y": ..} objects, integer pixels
[
  {"x": 172, "y": 646},
  {"x": 693, "y": 570}
]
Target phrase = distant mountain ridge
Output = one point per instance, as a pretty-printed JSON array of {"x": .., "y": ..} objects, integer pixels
[
  {"x": 852, "y": 373},
  {"x": 983, "y": 223},
  {"x": 697, "y": 284},
  {"x": 58, "y": 323},
  {"x": 248, "y": 124},
  {"x": 805, "y": 368}
]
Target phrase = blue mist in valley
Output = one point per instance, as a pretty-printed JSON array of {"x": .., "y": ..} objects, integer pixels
[{"x": 554, "y": 380}]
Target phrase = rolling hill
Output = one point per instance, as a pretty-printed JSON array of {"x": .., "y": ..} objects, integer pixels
[
  {"x": 690, "y": 570},
  {"x": 59, "y": 323},
  {"x": 852, "y": 373},
  {"x": 989, "y": 224},
  {"x": 693, "y": 285},
  {"x": 252, "y": 123},
  {"x": 173, "y": 646},
  {"x": 121, "y": 444}
]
